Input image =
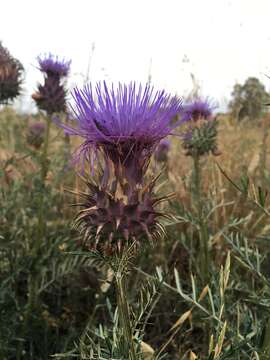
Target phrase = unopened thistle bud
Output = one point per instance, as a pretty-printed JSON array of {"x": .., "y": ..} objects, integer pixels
[
  {"x": 35, "y": 134},
  {"x": 11, "y": 71},
  {"x": 51, "y": 95},
  {"x": 200, "y": 137}
]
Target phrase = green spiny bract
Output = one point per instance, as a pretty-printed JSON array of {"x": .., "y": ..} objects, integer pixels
[
  {"x": 118, "y": 216},
  {"x": 201, "y": 139}
]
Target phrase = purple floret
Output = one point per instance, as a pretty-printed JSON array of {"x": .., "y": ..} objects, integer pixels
[
  {"x": 198, "y": 109},
  {"x": 125, "y": 123},
  {"x": 53, "y": 66},
  {"x": 37, "y": 127}
]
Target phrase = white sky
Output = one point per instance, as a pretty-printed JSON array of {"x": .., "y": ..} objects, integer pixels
[{"x": 220, "y": 41}]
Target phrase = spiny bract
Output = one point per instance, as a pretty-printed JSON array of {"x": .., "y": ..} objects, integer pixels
[{"x": 110, "y": 222}]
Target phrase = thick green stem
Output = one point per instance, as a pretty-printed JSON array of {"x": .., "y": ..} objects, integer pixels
[
  {"x": 203, "y": 231},
  {"x": 124, "y": 314}
]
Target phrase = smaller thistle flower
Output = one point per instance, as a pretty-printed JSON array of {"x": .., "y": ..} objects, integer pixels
[
  {"x": 200, "y": 138},
  {"x": 10, "y": 76},
  {"x": 124, "y": 124},
  {"x": 161, "y": 152},
  {"x": 51, "y": 65},
  {"x": 35, "y": 134},
  {"x": 51, "y": 96},
  {"x": 198, "y": 109}
]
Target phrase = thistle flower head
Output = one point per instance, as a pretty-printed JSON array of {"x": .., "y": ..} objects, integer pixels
[
  {"x": 51, "y": 65},
  {"x": 198, "y": 109},
  {"x": 10, "y": 76},
  {"x": 124, "y": 123},
  {"x": 51, "y": 96}
]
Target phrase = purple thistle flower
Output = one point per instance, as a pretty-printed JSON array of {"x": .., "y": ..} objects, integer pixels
[
  {"x": 53, "y": 66},
  {"x": 37, "y": 127},
  {"x": 51, "y": 96},
  {"x": 198, "y": 109},
  {"x": 199, "y": 138},
  {"x": 124, "y": 123}
]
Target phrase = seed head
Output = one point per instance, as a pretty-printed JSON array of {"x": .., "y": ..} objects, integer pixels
[{"x": 11, "y": 71}]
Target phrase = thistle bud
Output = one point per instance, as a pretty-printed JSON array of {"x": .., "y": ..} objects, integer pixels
[
  {"x": 200, "y": 137},
  {"x": 10, "y": 76},
  {"x": 51, "y": 95},
  {"x": 35, "y": 134}
]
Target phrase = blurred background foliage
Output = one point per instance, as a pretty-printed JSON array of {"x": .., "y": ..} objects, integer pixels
[
  {"x": 249, "y": 100},
  {"x": 52, "y": 302}
]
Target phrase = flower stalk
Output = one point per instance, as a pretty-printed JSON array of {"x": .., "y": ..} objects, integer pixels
[
  {"x": 124, "y": 313},
  {"x": 199, "y": 140},
  {"x": 203, "y": 232}
]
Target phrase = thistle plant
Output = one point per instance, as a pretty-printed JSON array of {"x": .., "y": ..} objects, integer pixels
[
  {"x": 51, "y": 97},
  {"x": 198, "y": 140},
  {"x": 121, "y": 128},
  {"x": 11, "y": 71}
]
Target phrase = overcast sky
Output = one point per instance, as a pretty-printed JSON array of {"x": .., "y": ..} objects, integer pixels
[{"x": 219, "y": 41}]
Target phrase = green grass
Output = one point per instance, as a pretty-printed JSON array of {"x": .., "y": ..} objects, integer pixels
[{"x": 51, "y": 302}]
